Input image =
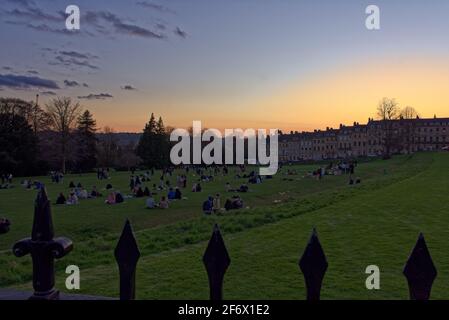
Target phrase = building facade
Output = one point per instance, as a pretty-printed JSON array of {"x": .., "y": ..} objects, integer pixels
[{"x": 376, "y": 138}]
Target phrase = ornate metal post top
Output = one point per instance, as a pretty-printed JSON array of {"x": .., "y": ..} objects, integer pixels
[{"x": 43, "y": 249}]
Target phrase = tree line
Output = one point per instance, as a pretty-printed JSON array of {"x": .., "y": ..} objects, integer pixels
[{"x": 63, "y": 137}]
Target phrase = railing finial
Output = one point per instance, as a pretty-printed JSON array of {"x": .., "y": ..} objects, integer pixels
[
  {"x": 127, "y": 254},
  {"x": 420, "y": 271},
  {"x": 313, "y": 265},
  {"x": 216, "y": 260}
]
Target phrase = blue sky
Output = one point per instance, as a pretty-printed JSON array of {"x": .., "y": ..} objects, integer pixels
[{"x": 211, "y": 59}]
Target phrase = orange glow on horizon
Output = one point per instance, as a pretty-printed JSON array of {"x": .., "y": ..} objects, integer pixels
[{"x": 344, "y": 95}]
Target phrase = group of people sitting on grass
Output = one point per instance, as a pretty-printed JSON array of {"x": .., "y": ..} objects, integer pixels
[
  {"x": 213, "y": 204},
  {"x": 243, "y": 188},
  {"x": 29, "y": 184},
  {"x": 76, "y": 194}
]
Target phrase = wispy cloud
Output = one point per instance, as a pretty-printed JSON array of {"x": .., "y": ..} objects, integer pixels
[
  {"x": 26, "y": 82},
  {"x": 48, "y": 93},
  {"x": 35, "y": 14},
  {"x": 100, "y": 96},
  {"x": 154, "y": 6},
  {"x": 72, "y": 62},
  {"x": 98, "y": 19},
  {"x": 73, "y": 83},
  {"x": 180, "y": 33},
  {"x": 128, "y": 87},
  {"x": 32, "y": 72}
]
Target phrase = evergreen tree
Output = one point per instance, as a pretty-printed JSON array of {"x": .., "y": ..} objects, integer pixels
[
  {"x": 153, "y": 147},
  {"x": 146, "y": 148},
  {"x": 87, "y": 142},
  {"x": 163, "y": 144},
  {"x": 18, "y": 145}
]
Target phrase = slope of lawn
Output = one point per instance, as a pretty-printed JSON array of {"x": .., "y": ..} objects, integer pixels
[
  {"x": 94, "y": 227},
  {"x": 374, "y": 223}
]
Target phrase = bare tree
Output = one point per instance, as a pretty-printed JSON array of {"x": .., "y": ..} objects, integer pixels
[
  {"x": 409, "y": 113},
  {"x": 63, "y": 114},
  {"x": 388, "y": 109}
]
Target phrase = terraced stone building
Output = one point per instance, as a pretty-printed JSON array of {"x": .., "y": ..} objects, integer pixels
[{"x": 376, "y": 138}]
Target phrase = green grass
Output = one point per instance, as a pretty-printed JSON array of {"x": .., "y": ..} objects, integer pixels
[{"x": 374, "y": 223}]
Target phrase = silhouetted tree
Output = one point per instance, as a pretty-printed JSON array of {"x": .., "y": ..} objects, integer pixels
[
  {"x": 409, "y": 113},
  {"x": 63, "y": 114},
  {"x": 18, "y": 145},
  {"x": 387, "y": 111},
  {"x": 86, "y": 142}
]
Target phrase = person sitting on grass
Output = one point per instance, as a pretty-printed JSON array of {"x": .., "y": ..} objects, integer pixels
[
  {"x": 118, "y": 197},
  {"x": 208, "y": 206},
  {"x": 71, "y": 185},
  {"x": 139, "y": 193},
  {"x": 61, "y": 199},
  {"x": 111, "y": 198},
  {"x": 171, "y": 194},
  {"x": 81, "y": 194},
  {"x": 146, "y": 192},
  {"x": 73, "y": 199},
  {"x": 217, "y": 203},
  {"x": 198, "y": 187},
  {"x": 94, "y": 193},
  {"x": 163, "y": 203},
  {"x": 178, "y": 194},
  {"x": 4, "y": 225},
  {"x": 351, "y": 181},
  {"x": 161, "y": 183},
  {"x": 243, "y": 188},
  {"x": 108, "y": 186},
  {"x": 150, "y": 203}
]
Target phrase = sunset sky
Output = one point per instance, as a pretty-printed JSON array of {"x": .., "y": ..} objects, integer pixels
[{"x": 288, "y": 64}]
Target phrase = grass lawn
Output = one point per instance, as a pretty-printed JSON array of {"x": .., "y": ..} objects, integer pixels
[{"x": 376, "y": 222}]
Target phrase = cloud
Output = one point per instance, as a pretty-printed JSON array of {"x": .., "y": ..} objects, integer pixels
[
  {"x": 23, "y": 3},
  {"x": 33, "y": 72},
  {"x": 48, "y": 93},
  {"x": 128, "y": 87},
  {"x": 100, "y": 96},
  {"x": 85, "y": 85},
  {"x": 78, "y": 55},
  {"x": 35, "y": 14},
  {"x": 70, "y": 62},
  {"x": 69, "y": 83},
  {"x": 7, "y": 68},
  {"x": 46, "y": 28},
  {"x": 26, "y": 82},
  {"x": 96, "y": 18},
  {"x": 154, "y": 6},
  {"x": 180, "y": 33}
]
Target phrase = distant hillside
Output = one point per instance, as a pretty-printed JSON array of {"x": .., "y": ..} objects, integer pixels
[{"x": 123, "y": 138}]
